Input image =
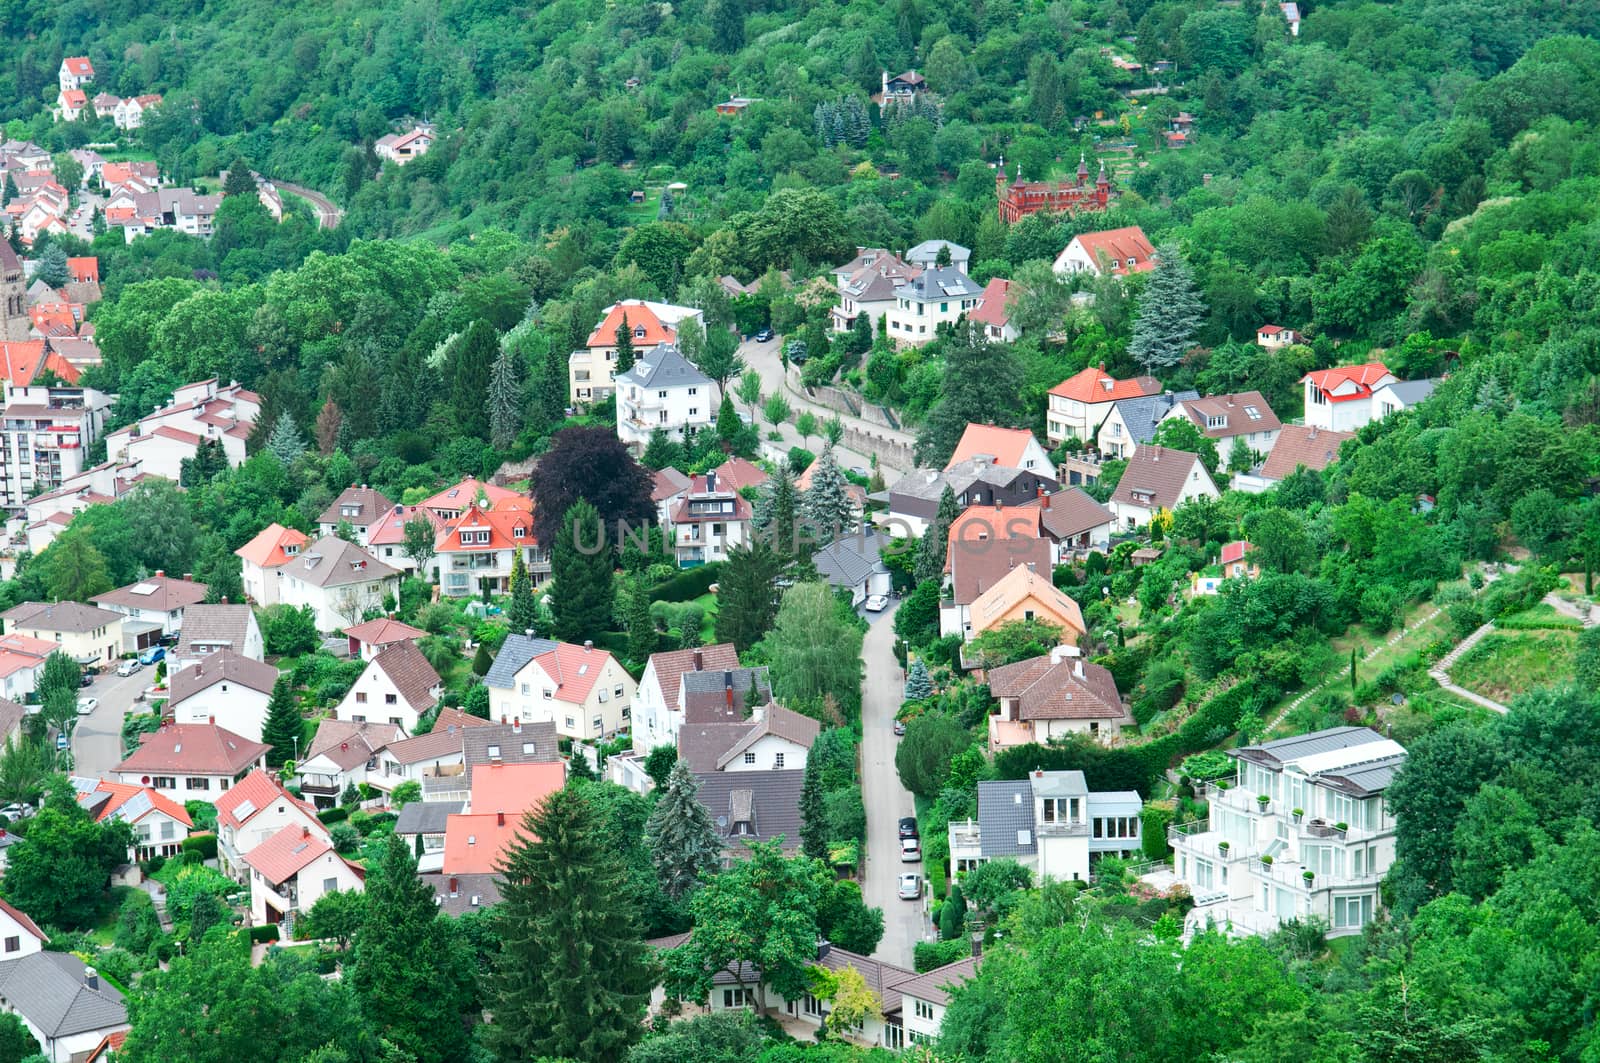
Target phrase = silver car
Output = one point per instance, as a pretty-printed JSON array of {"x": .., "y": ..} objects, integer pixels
[{"x": 910, "y": 886}]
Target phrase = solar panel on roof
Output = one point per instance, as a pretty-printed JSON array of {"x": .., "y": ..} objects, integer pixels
[
  {"x": 302, "y": 847},
  {"x": 142, "y": 588}
]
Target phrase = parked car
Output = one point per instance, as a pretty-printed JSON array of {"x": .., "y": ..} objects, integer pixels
[
  {"x": 908, "y": 827},
  {"x": 910, "y": 886},
  {"x": 128, "y": 667},
  {"x": 152, "y": 655},
  {"x": 910, "y": 850},
  {"x": 876, "y": 603},
  {"x": 899, "y": 727},
  {"x": 764, "y": 336},
  {"x": 85, "y": 679},
  {"x": 87, "y": 705}
]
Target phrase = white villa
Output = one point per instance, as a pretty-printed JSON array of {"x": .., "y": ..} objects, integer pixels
[
  {"x": 1302, "y": 832},
  {"x": 1050, "y": 823},
  {"x": 663, "y": 390}
]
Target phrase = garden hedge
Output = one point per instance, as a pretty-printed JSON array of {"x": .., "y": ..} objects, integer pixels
[
  {"x": 204, "y": 844},
  {"x": 690, "y": 583}
]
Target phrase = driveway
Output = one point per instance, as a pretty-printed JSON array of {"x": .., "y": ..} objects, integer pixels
[
  {"x": 765, "y": 359},
  {"x": 97, "y": 739},
  {"x": 886, "y": 800}
]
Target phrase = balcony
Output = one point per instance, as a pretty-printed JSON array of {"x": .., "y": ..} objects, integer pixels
[{"x": 1062, "y": 830}]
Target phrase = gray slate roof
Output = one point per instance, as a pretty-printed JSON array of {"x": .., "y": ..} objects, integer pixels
[
  {"x": 773, "y": 797},
  {"x": 927, "y": 253},
  {"x": 1004, "y": 808},
  {"x": 538, "y": 739},
  {"x": 1276, "y": 754},
  {"x": 1364, "y": 780},
  {"x": 1142, "y": 413},
  {"x": 213, "y": 626},
  {"x": 484, "y": 887},
  {"x": 848, "y": 561},
  {"x": 514, "y": 655},
  {"x": 1412, "y": 392},
  {"x": 332, "y": 562},
  {"x": 933, "y": 285},
  {"x": 58, "y": 616},
  {"x": 426, "y": 817},
  {"x": 48, "y": 989},
  {"x": 663, "y": 367}
]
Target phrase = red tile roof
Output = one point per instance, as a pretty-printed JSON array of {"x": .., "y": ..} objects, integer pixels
[
  {"x": 22, "y": 361},
  {"x": 977, "y": 526},
  {"x": 1119, "y": 245},
  {"x": 383, "y": 631},
  {"x": 697, "y": 491},
  {"x": 266, "y": 549},
  {"x": 994, "y": 306},
  {"x": 501, "y": 524},
  {"x": 1297, "y": 445},
  {"x": 84, "y": 270},
  {"x": 574, "y": 668},
  {"x": 1091, "y": 385},
  {"x": 739, "y": 473},
  {"x": 473, "y": 844},
  {"x": 1365, "y": 377},
  {"x": 27, "y": 924},
  {"x": 75, "y": 97},
  {"x": 280, "y": 857},
  {"x": 1235, "y": 551},
  {"x": 639, "y": 316},
  {"x": 671, "y": 665},
  {"x": 122, "y": 792},
  {"x": 453, "y": 719},
  {"x": 458, "y": 497},
  {"x": 193, "y": 749},
  {"x": 390, "y": 529},
  {"x": 515, "y": 788},
  {"x": 79, "y": 66},
  {"x": 1006, "y": 445}
]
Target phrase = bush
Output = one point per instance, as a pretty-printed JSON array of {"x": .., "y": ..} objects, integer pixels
[
  {"x": 330, "y": 816},
  {"x": 264, "y": 934},
  {"x": 204, "y": 844},
  {"x": 346, "y": 839},
  {"x": 926, "y": 955},
  {"x": 691, "y": 583},
  {"x": 846, "y": 815},
  {"x": 1153, "y": 822}
]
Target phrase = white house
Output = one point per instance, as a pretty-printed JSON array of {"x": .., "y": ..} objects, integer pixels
[
  {"x": 1157, "y": 480},
  {"x": 343, "y": 753},
  {"x": 158, "y": 599},
  {"x": 191, "y": 762},
  {"x": 200, "y": 414},
  {"x": 19, "y": 935},
  {"x": 226, "y": 688},
  {"x": 1010, "y": 448},
  {"x": 867, "y": 285},
  {"x": 1303, "y": 833},
  {"x": 1113, "y": 252},
  {"x": 397, "y": 686},
  {"x": 478, "y": 548},
  {"x": 1401, "y": 395},
  {"x": 1242, "y": 419},
  {"x": 993, "y": 313},
  {"x": 21, "y": 661},
  {"x": 292, "y": 870},
  {"x": 401, "y": 148},
  {"x": 439, "y": 754},
  {"x": 65, "y": 1005},
  {"x": 712, "y": 519},
  {"x": 663, "y": 391},
  {"x": 923, "y": 999},
  {"x": 583, "y": 690},
  {"x": 1049, "y": 823},
  {"x": 211, "y": 629},
  {"x": 926, "y": 255},
  {"x": 262, "y": 560},
  {"x": 252, "y": 811},
  {"x": 1273, "y": 337},
  {"x": 338, "y": 580},
  {"x": 1340, "y": 398},
  {"x": 936, "y": 296},
  {"x": 1080, "y": 404},
  {"x": 854, "y": 562},
  {"x": 160, "y": 825},
  {"x": 657, "y": 711},
  {"x": 1056, "y": 696},
  {"x": 359, "y": 507},
  {"x": 76, "y": 72},
  {"x": 592, "y": 369},
  {"x": 45, "y": 432}
]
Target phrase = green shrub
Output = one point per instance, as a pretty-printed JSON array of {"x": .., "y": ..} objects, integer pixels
[
  {"x": 333, "y": 815},
  {"x": 1153, "y": 820},
  {"x": 266, "y": 933},
  {"x": 204, "y": 844},
  {"x": 690, "y": 583},
  {"x": 926, "y": 955}
]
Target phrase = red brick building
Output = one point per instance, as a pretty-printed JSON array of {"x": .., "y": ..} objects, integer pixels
[{"x": 1020, "y": 198}]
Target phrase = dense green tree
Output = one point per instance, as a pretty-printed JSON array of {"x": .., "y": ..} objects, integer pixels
[
  {"x": 918, "y": 685},
  {"x": 827, "y": 504},
  {"x": 522, "y": 613},
  {"x": 923, "y": 756},
  {"x": 684, "y": 844},
  {"x": 590, "y": 462},
  {"x": 776, "y": 511},
  {"x": 747, "y": 598},
  {"x": 16, "y": 1043},
  {"x": 59, "y": 875},
  {"x": 471, "y": 369},
  {"x": 813, "y": 813},
  {"x": 573, "y": 979},
  {"x": 581, "y": 566},
  {"x": 982, "y": 384},
  {"x": 935, "y": 542},
  {"x": 625, "y": 352},
  {"x": 284, "y": 725},
  {"x": 505, "y": 400},
  {"x": 71, "y": 569},
  {"x": 1170, "y": 312},
  {"x": 815, "y": 652},
  {"x": 407, "y": 970}
]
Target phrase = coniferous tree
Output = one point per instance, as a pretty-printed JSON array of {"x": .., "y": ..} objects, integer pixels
[
  {"x": 472, "y": 358},
  {"x": 776, "y": 509},
  {"x": 641, "y": 627},
  {"x": 982, "y": 384},
  {"x": 728, "y": 424},
  {"x": 625, "y": 354},
  {"x": 572, "y": 980},
  {"x": 747, "y": 598},
  {"x": 551, "y": 387},
  {"x": 52, "y": 266},
  {"x": 581, "y": 566},
  {"x": 918, "y": 685},
  {"x": 482, "y": 660},
  {"x": 680, "y": 835},
  {"x": 1170, "y": 313},
  {"x": 523, "y": 611},
  {"x": 283, "y": 726},
  {"x": 936, "y": 539},
  {"x": 505, "y": 401},
  {"x": 239, "y": 182},
  {"x": 286, "y": 443},
  {"x": 409, "y": 970},
  {"x": 828, "y": 508},
  {"x": 661, "y": 451},
  {"x": 813, "y": 812},
  {"x": 665, "y": 209}
]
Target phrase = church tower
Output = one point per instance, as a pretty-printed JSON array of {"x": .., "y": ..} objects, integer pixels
[{"x": 14, "y": 322}]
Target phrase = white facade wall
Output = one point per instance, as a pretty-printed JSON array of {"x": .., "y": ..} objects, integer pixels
[{"x": 234, "y": 706}]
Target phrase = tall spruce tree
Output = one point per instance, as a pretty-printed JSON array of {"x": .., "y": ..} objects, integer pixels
[
  {"x": 936, "y": 539},
  {"x": 286, "y": 443},
  {"x": 641, "y": 626},
  {"x": 982, "y": 384},
  {"x": 1170, "y": 312},
  {"x": 581, "y": 566},
  {"x": 572, "y": 980},
  {"x": 505, "y": 401},
  {"x": 747, "y": 596},
  {"x": 828, "y": 508},
  {"x": 813, "y": 812},
  {"x": 523, "y": 611},
  {"x": 625, "y": 353},
  {"x": 409, "y": 970},
  {"x": 918, "y": 685},
  {"x": 550, "y": 389},
  {"x": 728, "y": 424},
  {"x": 775, "y": 511},
  {"x": 283, "y": 726},
  {"x": 680, "y": 835},
  {"x": 472, "y": 358}
]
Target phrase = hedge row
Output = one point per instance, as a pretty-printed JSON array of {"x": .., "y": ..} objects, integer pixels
[
  {"x": 267, "y": 932},
  {"x": 204, "y": 844},
  {"x": 690, "y": 583},
  {"x": 337, "y": 814}
]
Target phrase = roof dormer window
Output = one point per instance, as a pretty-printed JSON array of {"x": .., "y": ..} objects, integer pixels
[
  {"x": 638, "y": 332},
  {"x": 517, "y": 532},
  {"x": 1217, "y": 420}
]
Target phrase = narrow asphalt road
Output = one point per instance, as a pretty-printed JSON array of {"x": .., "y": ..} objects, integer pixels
[
  {"x": 886, "y": 800},
  {"x": 97, "y": 739},
  {"x": 328, "y": 213},
  {"x": 765, "y": 359}
]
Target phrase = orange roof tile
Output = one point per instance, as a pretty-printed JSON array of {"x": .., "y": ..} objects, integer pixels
[
  {"x": 640, "y": 317},
  {"x": 1007, "y": 445},
  {"x": 458, "y": 497},
  {"x": 515, "y": 788},
  {"x": 574, "y": 668},
  {"x": 121, "y": 793},
  {"x": 22, "y": 361},
  {"x": 1365, "y": 377},
  {"x": 994, "y": 306},
  {"x": 382, "y": 631},
  {"x": 507, "y": 529},
  {"x": 1092, "y": 385},
  {"x": 280, "y": 857},
  {"x": 260, "y": 790},
  {"x": 473, "y": 844},
  {"x": 1119, "y": 245},
  {"x": 267, "y": 548},
  {"x": 976, "y": 525}
]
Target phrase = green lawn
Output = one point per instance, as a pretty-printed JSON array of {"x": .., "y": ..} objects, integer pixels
[
  {"x": 1540, "y": 615},
  {"x": 105, "y": 930},
  {"x": 1506, "y": 663}
]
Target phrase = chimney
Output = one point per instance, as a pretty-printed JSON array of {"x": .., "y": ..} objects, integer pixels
[
  {"x": 699, "y": 661},
  {"x": 91, "y": 978},
  {"x": 824, "y": 946},
  {"x": 188, "y": 577},
  {"x": 1047, "y": 500},
  {"x": 500, "y": 819},
  {"x": 160, "y": 574},
  {"x": 502, "y": 721},
  {"x": 213, "y": 720},
  {"x": 344, "y": 745},
  {"x": 305, "y": 831},
  {"x": 516, "y": 726},
  {"x": 1077, "y": 667},
  {"x": 224, "y": 600},
  {"x": 711, "y": 482},
  {"x": 588, "y": 644}
]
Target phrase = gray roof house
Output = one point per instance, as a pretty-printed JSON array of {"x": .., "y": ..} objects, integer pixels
[
  {"x": 664, "y": 366},
  {"x": 939, "y": 284},
  {"x": 914, "y": 498},
  {"x": 926, "y": 254},
  {"x": 1132, "y": 422},
  {"x": 209, "y": 629},
  {"x": 62, "y": 1001},
  {"x": 753, "y": 806},
  {"x": 509, "y": 743},
  {"x": 515, "y": 653},
  {"x": 854, "y": 562},
  {"x": 1050, "y": 823}
]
